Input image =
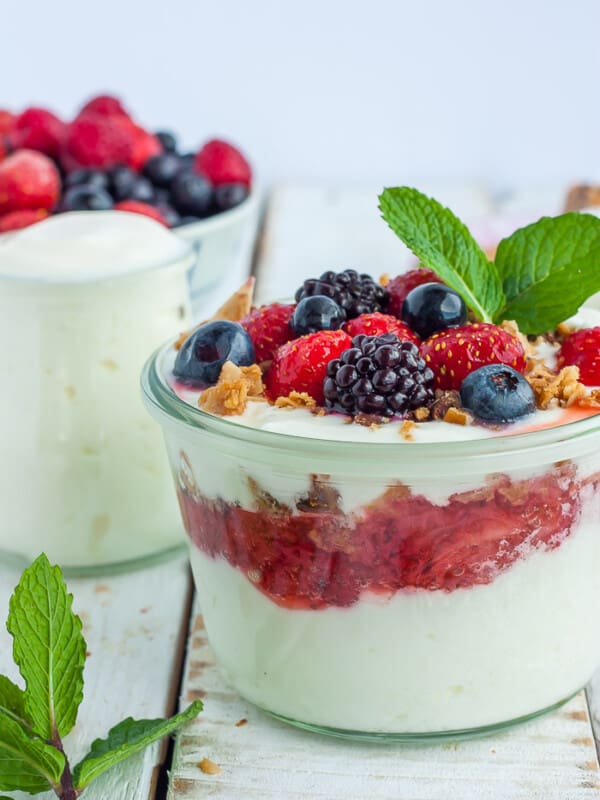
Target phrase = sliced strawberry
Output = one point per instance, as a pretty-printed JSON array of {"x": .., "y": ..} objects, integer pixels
[
  {"x": 301, "y": 365},
  {"x": 376, "y": 324},
  {"x": 136, "y": 207},
  {"x": 269, "y": 328},
  {"x": 15, "y": 220},
  {"x": 455, "y": 352},
  {"x": 582, "y": 349},
  {"x": 38, "y": 129},
  {"x": 28, "y": 180},
  {"x": 221, "y": 162},
  {"x": 400, "y": 286}
]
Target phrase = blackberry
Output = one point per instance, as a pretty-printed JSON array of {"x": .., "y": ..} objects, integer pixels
[
  {"x": 356, "y": 294},
  {"x": 379, "y": 375}
]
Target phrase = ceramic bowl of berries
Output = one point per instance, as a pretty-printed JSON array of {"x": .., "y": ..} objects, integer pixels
[
  {"x": 392, "y": 492},
  {"x": 104, "y": 159}
]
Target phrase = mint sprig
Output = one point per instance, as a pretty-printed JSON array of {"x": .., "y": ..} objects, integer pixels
[
  {"x": 541, "y": 275},
  {"x": 49, "y": 650}
]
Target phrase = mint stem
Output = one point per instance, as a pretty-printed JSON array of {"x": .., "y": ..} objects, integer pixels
[{"x": 66, "y": 790}]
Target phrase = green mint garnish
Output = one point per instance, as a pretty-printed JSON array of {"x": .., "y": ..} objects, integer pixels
[
  {"x": 541, "y": 275},
  {"x": 49, "y": 650}
]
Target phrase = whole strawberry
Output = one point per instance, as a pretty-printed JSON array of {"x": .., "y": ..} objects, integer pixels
[
  {"x": 301, "y": 365},
  {"x": 376, "y": 324},
  {"x": 269, "y": 328},
  {"x": 38, "y": 129},
  {"x": 15, "y": 220},
  {"x": 7, "y": 121},
  {"x": 145, "y": 145},
  {"x": 28, "y": 180},
  {"x": 582, "y": 349},
  {"x": 221, "y": 162},
  {"x": 93, "y": 140},
  {"x": 456, "y": 352},
  {"x": 400, "y": 286},
  {"x": 106, "y": 105}
]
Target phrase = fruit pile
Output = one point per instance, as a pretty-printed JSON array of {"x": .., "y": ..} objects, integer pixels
[{"x": 104, "y": 159}]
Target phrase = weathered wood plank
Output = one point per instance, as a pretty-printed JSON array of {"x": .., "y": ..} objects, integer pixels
[{"x": 135, "y": 628}]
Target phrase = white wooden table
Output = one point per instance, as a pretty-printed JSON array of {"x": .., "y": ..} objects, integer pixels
[{"x": 137, "y": 626}]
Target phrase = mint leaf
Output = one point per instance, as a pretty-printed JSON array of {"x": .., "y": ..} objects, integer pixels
[
  {"x": 548, "y": 269},
  {"x": 444, "y": 244},
  {"x": 12, "y": 702},
  {"x": 48, "y": 648},
  {"x": 27, "y": 763},
  {"x": 126, "y": 739}
]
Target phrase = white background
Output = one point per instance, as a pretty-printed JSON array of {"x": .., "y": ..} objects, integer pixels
[{"x": 345, "y": 90}]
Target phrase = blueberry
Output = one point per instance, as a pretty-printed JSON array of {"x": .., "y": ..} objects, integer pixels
[
  {"x": 203, "y": 353},
  {"x": 191, "y": 194},
  {"x": 188, "y": 160},
  {"x": 497, "y": 393},
  {"x": 89, "y": 177},
  {"x": 171, "y": 216},
  {"x": 86, "y": 198},
  {"x": 229, "y": 195},
  {"x": 161, "y": 169},
  {"x": 433, "y": 307},
  {"x": 317, "y": 313},
  {"x": 122, "y": 180},
  {"x": 168, "y": 141},
  {"x": 142, "y": 190}
]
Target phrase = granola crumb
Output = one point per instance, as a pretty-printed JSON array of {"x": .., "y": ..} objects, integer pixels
[
  {"x": 230, "y": 395},
  {"x": 457, "y": 416},
  {"x": 296, "y": 400},
  {"x": 444, "y": 399},
  {"x": 551, "y": 389},
  {"x": 321, "y": 496},
  {"x": 372, "y": 421},
  {"x": 209, "y": 767},
  {"x": 384, "y": 279},
  {"x": 241, "y": 722},
  {"x": 511, "y": 327},
  {"x": 421, "y": 414},
  {"x": 407, "y": 429},
  {"x": 233, "y": 309},
  {"x": 582, "y": 196}
]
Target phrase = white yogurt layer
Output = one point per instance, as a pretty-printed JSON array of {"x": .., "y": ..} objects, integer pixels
[
  {"x": 85, "y": 476},
  {"x": 419, "y": 661}
]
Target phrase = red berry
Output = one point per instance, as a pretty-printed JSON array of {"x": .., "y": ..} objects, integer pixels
[
  {"x": 301, "y": 365},
  {"x": 28, "y": 180},
  {"x": 221, "y": 162},
  {"x": 136, "y": 207},
  {"x": 106, "y": 105},
  {"x": 7, "y": 121},
  {"x": 15, "y": 220},
  {"x": 269, "y": 328},
  {"x": 454, "y": 353},
  {"x": 38, "y": 129},
  {"x": 400, "y": 286},
  {"x": 145, "y": 145},
  {"x": 97, "y": 141},
  {"x": 376, "y": 324},
  {"x": 582, "y": 349}
]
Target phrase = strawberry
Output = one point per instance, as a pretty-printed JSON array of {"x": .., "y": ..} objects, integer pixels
[
  {"x": 7, "y": 121},
  {"x": 28, "y": 180},
  {"x": 221, "y": 162},
  {"x": 38, "y": 129},
  {"x": 455, "y": 352},
  {"x": 376, "y": 324},
  {"x": 145, "y": 145},
  {"x": 105, "y": 105},
  {"x": 269, "y": 328},
  {"x": 301, "y": 365},
  {"x": 15, "y": 220},
  {"x": 93, "y": 140},
  {"x": 400, "y": 286},
  {"x": 136, "y": 207},
  {"x": 582, "y": 349}
]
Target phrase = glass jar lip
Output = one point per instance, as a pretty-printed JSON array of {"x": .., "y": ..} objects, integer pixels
[{"x": 163, "y": 401}]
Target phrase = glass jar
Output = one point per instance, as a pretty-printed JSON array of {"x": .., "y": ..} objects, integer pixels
[
  {"x": 84, "y": 476},
  {"x": 401, "y": 591}
]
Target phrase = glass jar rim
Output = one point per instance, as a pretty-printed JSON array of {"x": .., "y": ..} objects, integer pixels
[{"x": 161, "y": 400}]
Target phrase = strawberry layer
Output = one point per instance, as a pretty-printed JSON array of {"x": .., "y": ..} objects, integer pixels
[{"x": 314, "y": 556}]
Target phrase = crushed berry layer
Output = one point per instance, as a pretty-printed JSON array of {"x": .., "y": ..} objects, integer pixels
[{"x": 313, "y": 555}]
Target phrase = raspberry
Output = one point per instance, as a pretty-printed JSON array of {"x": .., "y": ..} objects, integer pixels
[
  {"x": 145, "y": 146},
  {"x": 378, "y": 375},
  {"x": 582, "y": 349},
  {"x": 456, "y": 352},
  {"x": 135, "y": 207},
  {"x": 93, "y": 140},
  {"x": 38, "y": 129},
  {"x": 15, "y": 220},
  {"x": 28, "y": 180},
  {"x": 301, "y": 365},
  {"x": 356, "y": 294},
  {"x": 269, "y": 328},
  {"x": 400, "y": 286},
  {"x": 221, "y": 162},
  {"x": 7, "y": 121},
  {"x": 105, "y": 105},
  {"x": 376, "y": 324}
]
